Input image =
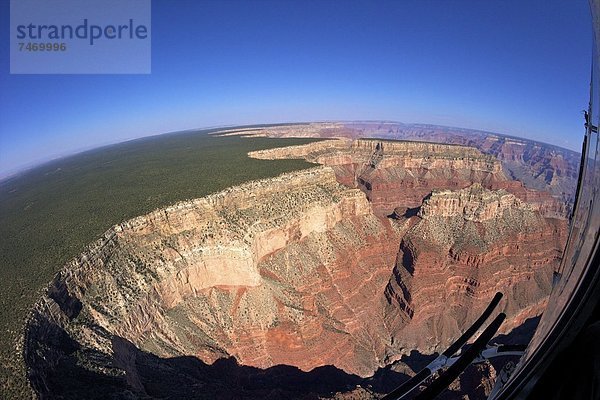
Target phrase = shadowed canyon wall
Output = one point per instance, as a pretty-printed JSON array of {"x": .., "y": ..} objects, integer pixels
[{"x": 337, "y": 267}]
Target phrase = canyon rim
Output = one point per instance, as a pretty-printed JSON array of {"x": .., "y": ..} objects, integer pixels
[{"x": 343, "y": 270}]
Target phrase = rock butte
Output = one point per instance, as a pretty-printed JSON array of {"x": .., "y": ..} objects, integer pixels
[{"x": 337, "y": 265}]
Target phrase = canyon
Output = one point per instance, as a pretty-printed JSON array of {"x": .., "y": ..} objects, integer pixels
[
  {"x": 313, "y": 283},
  {"x": 538, "y": 165},
  {"x": 409, "y": 170}
]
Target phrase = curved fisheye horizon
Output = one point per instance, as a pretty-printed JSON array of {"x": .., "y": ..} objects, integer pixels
[
  {"x": 33, "y": 165},
  {"x": 265, "y": 199},
  {"x": 216, "y": 129},
  {"x": 512, "y": 68}
]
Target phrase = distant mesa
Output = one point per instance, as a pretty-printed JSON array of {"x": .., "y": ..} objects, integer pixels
[
  {"x": 342, "y": 270},
  {"x": 538, "y": 165}
]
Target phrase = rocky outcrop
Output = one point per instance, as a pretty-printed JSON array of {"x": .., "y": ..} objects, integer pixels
[
  {"x": 542, "y": 201},
  {"x": 406, "y": 172},
  {"x": 270, "y": 272},
  {"x": 461, "y": 248},
  {"x": 472, "y": 204},
  {"x": 539, "y": 166},
  {"x": 409, "y": 171},
  {"x": 296, "y": 271}
]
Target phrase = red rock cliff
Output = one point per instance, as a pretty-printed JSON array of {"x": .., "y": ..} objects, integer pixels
[{"x": 302, "y": 270}]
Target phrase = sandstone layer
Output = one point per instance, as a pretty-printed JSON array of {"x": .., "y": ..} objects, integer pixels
[
  {"x": 402, "y": 173},
  {"x": 538, "y": 165},
  {"x": 462, "y": 247},
  {"x": 317, "y": 270}
]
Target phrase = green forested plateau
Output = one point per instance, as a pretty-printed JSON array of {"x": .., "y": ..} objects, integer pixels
[{"x": 49, "y": 214}]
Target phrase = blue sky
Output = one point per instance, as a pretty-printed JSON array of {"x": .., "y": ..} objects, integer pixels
[{"x": 514, "y": 67}]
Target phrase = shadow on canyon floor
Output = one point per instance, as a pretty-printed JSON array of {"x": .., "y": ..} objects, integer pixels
[
  {"x": 60, "y": 368},
  {"x": 522, "y": 334}
]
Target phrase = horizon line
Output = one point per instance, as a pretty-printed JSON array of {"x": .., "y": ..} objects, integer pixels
[{"x": 10, "y": 174}]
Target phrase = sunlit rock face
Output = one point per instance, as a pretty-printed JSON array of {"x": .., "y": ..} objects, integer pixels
[
  {"x": 409, "y": 171},
  {"x": 475, "y": 204},
  {"x": 462, "y": 247},
  {"x": 406, "y": 172},
  {"x": 305, "y": 270},
  {"x": 539, "y": 165}
]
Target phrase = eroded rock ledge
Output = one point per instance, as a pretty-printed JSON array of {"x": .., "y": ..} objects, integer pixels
[
  {"x": 540, "y": 166},
  {"x": 474, "y": 203},
  {"x": 299, "y": 270},
  {"x": 408, "y": 171}
]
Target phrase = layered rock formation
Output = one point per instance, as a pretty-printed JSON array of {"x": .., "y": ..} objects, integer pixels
[
  {"x": 407, "y": 171},
  {"x": 462, "y": 247},
  {"x": 538, "y": 165},
  {"x": 299, "y": 270},
  {"x": 265, "y": 272}
]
